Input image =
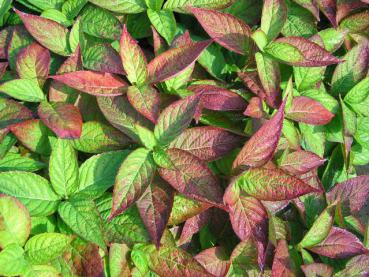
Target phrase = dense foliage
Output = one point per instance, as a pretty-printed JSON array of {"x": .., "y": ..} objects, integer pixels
[{"x": 184, "y": 138}]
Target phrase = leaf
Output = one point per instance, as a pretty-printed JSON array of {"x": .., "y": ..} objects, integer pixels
[
  {"x": 15, "y": 161},
  {"x": 12, "y": 261},
  {"x": 83, "y": 218},
  {"x": 145, "y": 100},
  {"x": 134, "y": 176},
  {"x": 271, "y": 184},
  {"x": 218, "y": 99},
  {"x": 306, "y": 110},
  {"x": 191, "y": 177},
  {"x": 227, "y": 30},
  {"x": 340, "y": 244},
  {"x": 358, "y": 96},
  {"x": 259, "y": 149},
  {"x": 270, "y": 78},
  {"x": 298, "y": 51},
  {"x": 315, "y": 269},
  {"x": 320, "y": 229},
  {"x": 32, "y": 190},
  {"x": 174, "y": 119},
  {"x": 164, "y": 22},
  {"x": 12, "y": 112},
  {"x": 34, "y": 135},
  {"x": 147, "y": 137},
  {"x": 121, "y": 115},
  {"x": 155, "y": 206},
  {"x": 214, "y": 260},
  {"x": 282, "y": 261},
  {"x": 207, "y": 143},
  {"x": 273, "y": 18},
  {"x": 23, "y": 89},
  {"x": 63, "y": 168},
  {"x": 33, "y": 62},
  {"x": 356, "y": 23},
  {"x": 63, "y": 119},
  {"x": 121, "y": 6},
  {"x": 183, "y": 5},
  {"x": 300, "y": 162},
  {"x": 48, "y": 33},
  {"x": 118, "y": 260},
  {"x": 356, "y": 266},
  {"x": 95, "y": 83},
  {"x": 244, "y": 257},
  {"x": 15, "y": 225},
  {"x": 46, "y": 247},
  {"x": 347, "y": 74},
  {"x": 174, "y": 61},
  {"x": 133, "y": 59},
  {"x": 14, "y": 41},
  {"x": 100, "y": 23},
  {"x": 194, "y": 225}
]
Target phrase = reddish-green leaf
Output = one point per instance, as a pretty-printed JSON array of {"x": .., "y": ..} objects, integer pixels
[
  {"x": 3, "y": 66},
  {"x": 133, "y": 177},
  {"x": 317, "y": 269},
  {"x": 227, "y": 30},
  {"x": 254, "y": 108},
  {"x": 64, "y": 120},
  {"x": 357, "y": 266},
  {"x": 194, "y": 225},
  {"x": 145, "y": 100},
  {"x": 12, "y": 112},
  {"x": 155, "y": 206},
  {"x": 176, "y": 118},
  {"x": 272, "y": 184},
  {"x": 339, "y": 244},
  {"x": 282, "y": 261},
  {"x": 49, "y": 33},
  {"x": 214, "y": 260},
  {"x": 298, "y": 51},
  {"x": 133, "y": 59},
  {"x": 273, "y": 17},
  {"x": 207, "y": 143},
  {"x": 307, "y": 110},
  {"x": 252, "y": 81},
  {"x": 95, "y": 83},
  {"x": 260, "y": 147},
  {"x": 33, "y": 62},
  {"x": 190, "y": 176},
  {"x": 174, "y": 61},
  {"x": 300, "y": 162},
  {"x": 328, "y": 7}
]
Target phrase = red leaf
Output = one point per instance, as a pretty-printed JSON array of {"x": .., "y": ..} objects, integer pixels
[
  {"x": 311, "y": 54},
  {"x": 214, "y": 260},
  {"x": 95, "y": 83},
  {"x": 271, "y": 184},
  {"x": 33, "y": 61},
  {"x": 158, "y": 41},
  {"x": 12, "y": 112},
  {"x": 300, "y": 162},
  {"x": 48, "y": 33},
  {"x": 145, "y": 100},
  {"x": 248, "y": 216},
  {"x": 328, "y": 7},
  {"x": 227, "y": 30},
  {"x": 251, "y": 80},
  {"x": 3, "y": 66},
  {"x": 207, "y": 143},
  {"x": 194, "y": 225},
  {"x": 174, "y": 61},
  {"x": 63, "y": 119},
  {"x": 353, "y": 197},
  {"x": 255, "y": 108},
  {"x": 5, "y": 37},
  {"x": 310, "y": 111},
  {"x": 260, "y": 147},
  {"x": 281, "y": 263},
  {"x": 155, "y": 206},
  {"x": 340, "y": 244},
  {"x": 219, "y": 99},
  {"x": 192, "y": 177},
  {"x": 345, "y": 7},
  {"x": 316, "y": 269}
]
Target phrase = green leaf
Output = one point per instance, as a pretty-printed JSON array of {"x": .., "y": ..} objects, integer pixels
[
  {"x": 84, "y": 219},
  {"x": 23, "y": 89},
  {"x": 15, "y": 161},
  {"x": 97, "y": 174},
  {"x": 12, "y": 261},
  {"x": 57, "y": 16},
  {"x": 46, "y": 5},
  {"x": 121, "y": 6},
  {"x": 147, "y": 137},
  {"x": 20, "y": 39},
  {"x": 320, "y": 229},
  {"x": 100, "y": 23},
  {"x": 15, "y": 224},
  {"x": 63, "y": 168},
  {"x": 181, "y": 5},
  {"x": 154, "y": 4},
  {"x": 46, "y": 247},
  {"x": 358, "y": 97},
  {"x": 164, "y": 22},
  {"x": 96, "y": 137},
  {"x": 134, "y": 175},
  {"x": 118, "y": 260},
  {"x": 273, "y": 18},
  {"x": 71, "y": 8},
  {"x": 32, "y": 190}
]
